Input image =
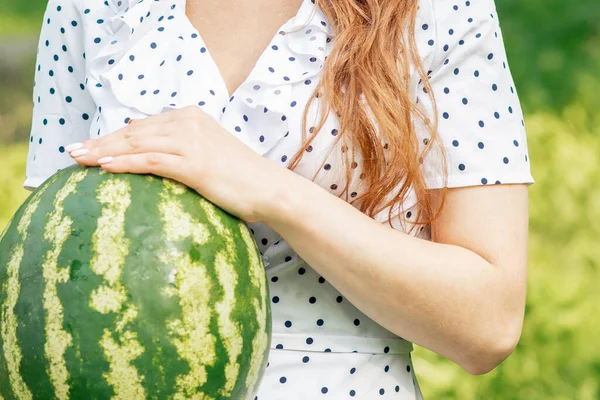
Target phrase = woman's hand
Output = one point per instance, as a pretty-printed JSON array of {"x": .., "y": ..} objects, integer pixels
[{"x": 189, "y": 146}]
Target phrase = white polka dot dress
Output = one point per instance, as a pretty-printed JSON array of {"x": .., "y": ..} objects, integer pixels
[{"x": 101, "y": 63}]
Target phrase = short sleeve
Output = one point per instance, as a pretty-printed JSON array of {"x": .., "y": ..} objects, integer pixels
[
  {"x": 480, "y": 121},
  {"x": 62, "y": 107}
]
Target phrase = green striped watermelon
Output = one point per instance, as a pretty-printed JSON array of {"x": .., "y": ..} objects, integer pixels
[{"x": 119, "y": 286}]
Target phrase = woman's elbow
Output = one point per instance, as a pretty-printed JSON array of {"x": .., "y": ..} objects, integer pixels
[{"x": 495, "y": 349}]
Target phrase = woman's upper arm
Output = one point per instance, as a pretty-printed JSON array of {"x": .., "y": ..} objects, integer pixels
[
  {"x": 482, "y": 130},
  {"x": 62, "y": 107},
  {"x": 491, "y": 221}
]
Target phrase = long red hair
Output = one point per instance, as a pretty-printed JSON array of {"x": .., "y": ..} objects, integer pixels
[{"x": 371, "y": 57}]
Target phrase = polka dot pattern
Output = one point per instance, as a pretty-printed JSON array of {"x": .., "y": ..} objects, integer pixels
[
  {"x": 61, "y": 103},
  {"x": 479, "y": 112},
  {"x": 100, "y": 64},
  {"x": 311, "y": 375}
]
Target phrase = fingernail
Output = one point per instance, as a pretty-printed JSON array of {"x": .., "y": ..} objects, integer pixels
[
  {"x": 74, "y": 146},
  {"x": 79, "y": 152},
  {"x": 105, "y": 160}
]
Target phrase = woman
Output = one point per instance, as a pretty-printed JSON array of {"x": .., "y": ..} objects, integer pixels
[{"x": 393, "y": 212}]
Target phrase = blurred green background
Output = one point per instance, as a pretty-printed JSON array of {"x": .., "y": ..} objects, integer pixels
[{"x": 554, "y": 52}]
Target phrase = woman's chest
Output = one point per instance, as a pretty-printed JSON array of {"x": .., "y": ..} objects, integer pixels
[{"x": 237, "y": 34}]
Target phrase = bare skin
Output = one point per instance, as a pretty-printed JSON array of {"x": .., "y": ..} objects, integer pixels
[{"x": 237, "y": 32}]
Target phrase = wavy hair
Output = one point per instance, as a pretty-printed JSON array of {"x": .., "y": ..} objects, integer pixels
[{"x": 366, "y": 82}]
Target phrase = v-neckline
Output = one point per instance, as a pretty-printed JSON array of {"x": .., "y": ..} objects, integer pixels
[{"x": 208, "y": 54}]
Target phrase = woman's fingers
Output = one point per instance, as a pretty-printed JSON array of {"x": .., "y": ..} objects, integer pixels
[
  {"x": 137, "y": 128},
  {"x": 155, "y": 125},
  {"x": 137, "y": 144},
  {"x": 160, "y": 164}
]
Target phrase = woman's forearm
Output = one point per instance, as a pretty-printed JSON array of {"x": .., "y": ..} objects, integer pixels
[{"x": 443, "y": 297}]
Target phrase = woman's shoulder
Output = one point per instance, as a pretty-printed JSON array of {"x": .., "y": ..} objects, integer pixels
[
  {"x": 94, "y": 12},
  {"x": 455, "y": 27},
  {"x": 66, "y": 8},
  {"x": 458, "y": 11}
]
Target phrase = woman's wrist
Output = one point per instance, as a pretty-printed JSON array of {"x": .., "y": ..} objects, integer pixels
[{"x": 278, "y": 202}]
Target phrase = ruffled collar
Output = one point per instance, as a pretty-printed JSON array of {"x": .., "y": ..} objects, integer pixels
[{"x": 160, "y": 34}]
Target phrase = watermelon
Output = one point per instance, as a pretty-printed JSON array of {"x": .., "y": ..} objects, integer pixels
[{"x": 124, "y": 286}]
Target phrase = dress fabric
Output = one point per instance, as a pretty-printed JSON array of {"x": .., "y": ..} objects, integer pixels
[{"x": 101, "y": 63}]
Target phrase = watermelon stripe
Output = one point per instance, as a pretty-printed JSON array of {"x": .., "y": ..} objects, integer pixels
[
  {"x": 192, "y": 337},
  {"x": 229, "y": 333},
  {"x": 260, "y": 342},
  {"x": 120, "y": 355},
  {"x": 85, "y": 360},
  {"x": 159, "y": 364},
  {"x": 179, "y": 225},
  {"x": 8, "y": 322},
  {"x": 57, "y": 339},
  {"x": 8, "y": 330},
  {"x": 31, "y": 333},
  {"x": 110, "y": 249}
]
